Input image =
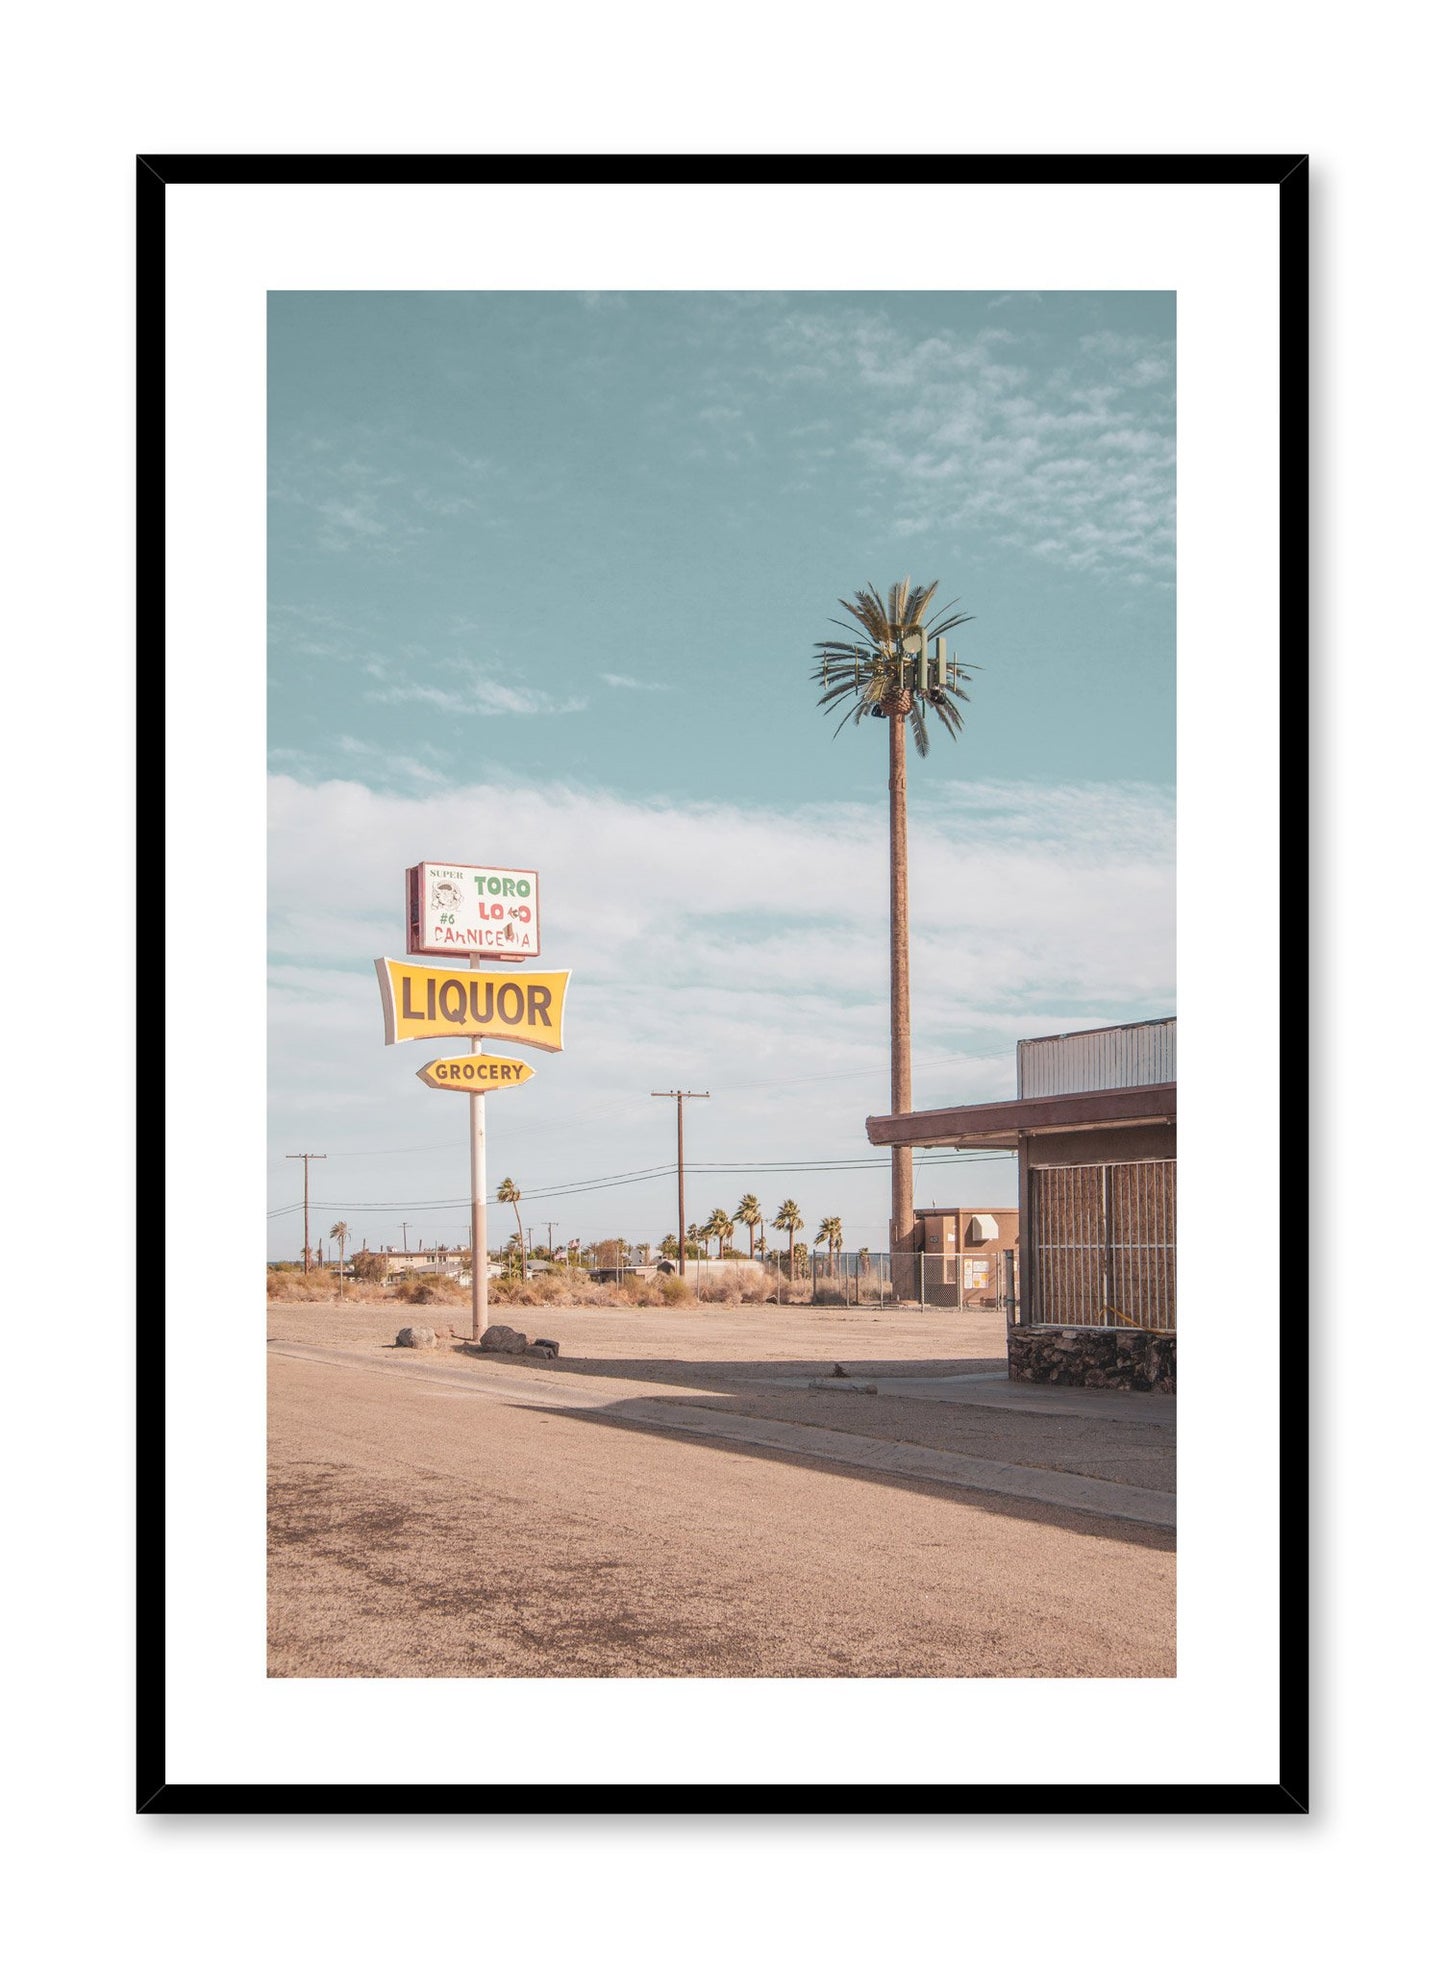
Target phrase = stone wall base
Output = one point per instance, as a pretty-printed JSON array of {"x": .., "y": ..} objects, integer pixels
[{"x": 1093, "y": 1357}]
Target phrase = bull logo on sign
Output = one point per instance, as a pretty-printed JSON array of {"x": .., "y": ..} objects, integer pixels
[{"x": 446, "y": 895}]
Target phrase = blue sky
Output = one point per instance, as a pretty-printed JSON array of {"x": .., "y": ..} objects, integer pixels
[{"x": 545, "y": 572}]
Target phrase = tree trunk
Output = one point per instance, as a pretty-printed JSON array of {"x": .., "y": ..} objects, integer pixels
[{"x": 900, "y": 1023}]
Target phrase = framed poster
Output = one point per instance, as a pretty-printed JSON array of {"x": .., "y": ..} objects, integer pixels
[{"x": 542, "y": 479}]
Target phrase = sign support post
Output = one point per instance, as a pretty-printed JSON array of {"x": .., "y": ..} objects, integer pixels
[
  {"x": 478, "y": 1105},
  {"x": 486, "y": 913}
]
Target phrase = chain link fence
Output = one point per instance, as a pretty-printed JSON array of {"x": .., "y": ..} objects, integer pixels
[
  {"x": 889, "y": 1278},
  {"x": 840, "y": 1278}
]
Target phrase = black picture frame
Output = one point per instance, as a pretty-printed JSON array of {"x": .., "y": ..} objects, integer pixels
[{"x": 156, "y": 175}]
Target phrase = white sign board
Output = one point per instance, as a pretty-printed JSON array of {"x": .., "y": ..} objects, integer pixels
[{"x": 456, "y": 909}]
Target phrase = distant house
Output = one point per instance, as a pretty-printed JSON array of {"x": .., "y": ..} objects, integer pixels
[
  {"x": 964, "y": 1254},
  {"x": 436, "y": 1258}
]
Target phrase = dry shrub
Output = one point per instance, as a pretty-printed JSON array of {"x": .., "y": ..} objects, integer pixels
[
  {"x": 434, "y": 1289},
  {"x": 659, "y": 1291},
  {"x": 720, "y": 1292},
  {"x": 576, "y": 1289},
  {"x": 742, "y": 1279},
  {"x": 517, "y": 1292},
  {"x": 302, "y": 1285},
  {"x": 642, "y": 1292},
  {"x": 551, "y": 1289}
]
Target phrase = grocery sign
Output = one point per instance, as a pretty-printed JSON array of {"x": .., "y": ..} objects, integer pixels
[
  {"x": 434, "y": 1001},
  {"x": 475, "y": 1073},
  {"x": 465, "y": 912},
  {"x": 456, "y": 909}
]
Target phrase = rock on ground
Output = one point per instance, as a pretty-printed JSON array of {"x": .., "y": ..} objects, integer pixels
[{"x": 507, "y": 1340}]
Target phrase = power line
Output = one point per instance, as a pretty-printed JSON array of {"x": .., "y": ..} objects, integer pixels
[{"x": 952, "y": 1159}]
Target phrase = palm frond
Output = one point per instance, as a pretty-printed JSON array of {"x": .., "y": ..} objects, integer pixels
[
  {"x": 918, "y": 603},
  {"x": 867, "y": 608},
  {"x": 835, "y": 696},
  {"x": 868, "y": 677},
  {"x": 948, "y": 717},
  {"x": 948, "y": 622}
]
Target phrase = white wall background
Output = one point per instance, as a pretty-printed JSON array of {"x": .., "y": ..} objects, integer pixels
[{"x": 86, "y": 93}]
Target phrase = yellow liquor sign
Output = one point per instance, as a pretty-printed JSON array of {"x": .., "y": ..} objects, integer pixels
[
  {"x": 433, "y": 1001},
  {"x": 475, "y": 1073}
]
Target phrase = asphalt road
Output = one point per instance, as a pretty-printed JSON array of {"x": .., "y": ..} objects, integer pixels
[{"x": 425, "y": 1526}]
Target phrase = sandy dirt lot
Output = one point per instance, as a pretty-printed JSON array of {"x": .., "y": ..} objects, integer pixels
[
  {"x": 654, "y": 1336},
  {"x": 439, "y": 1527}
]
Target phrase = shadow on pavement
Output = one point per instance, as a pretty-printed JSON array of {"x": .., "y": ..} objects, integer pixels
[{"x": 631, "y": 1415}]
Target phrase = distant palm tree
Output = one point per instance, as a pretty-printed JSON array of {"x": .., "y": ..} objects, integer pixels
[
  {"x": 694, "y": 1239},
  {"x": 830, "y": 1232},
  {"x": 507, "y": 1192},
  {"x": 789, "y": 1219},
  {"x": 750, "y": 1213},
  {"x": 341, "y": 1232},
  {"x": 720, "y": 1226},
  {"x": 886, "y": 673}
]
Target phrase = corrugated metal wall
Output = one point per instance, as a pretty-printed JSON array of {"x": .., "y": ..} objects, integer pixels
[{"x": 1082, "y": 1062}]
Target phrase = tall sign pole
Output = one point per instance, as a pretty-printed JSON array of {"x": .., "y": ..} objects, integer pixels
[
  {"x": 461, "y": 909},
  {"x": 675, "y": 1094},
  {"x": 478, "y": 1105}
]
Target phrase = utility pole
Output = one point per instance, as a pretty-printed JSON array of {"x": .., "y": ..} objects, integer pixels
[
  {"x": 306, "y": 1162},
  {"x": 675, "y": 1094}
]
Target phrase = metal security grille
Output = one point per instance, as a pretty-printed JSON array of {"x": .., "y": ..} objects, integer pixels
[{"x": 1101, "y": 1244}]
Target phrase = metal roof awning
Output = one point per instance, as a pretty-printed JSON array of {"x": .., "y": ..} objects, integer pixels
[
  {"x": 981, "y": 1228},
  {"x": 1003, "y": 1124}
]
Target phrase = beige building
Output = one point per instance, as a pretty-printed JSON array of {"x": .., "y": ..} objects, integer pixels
[{"x": 964, "y": 1254}]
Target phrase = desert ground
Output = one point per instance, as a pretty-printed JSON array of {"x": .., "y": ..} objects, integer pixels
[{"x": 671, "y": 1498}]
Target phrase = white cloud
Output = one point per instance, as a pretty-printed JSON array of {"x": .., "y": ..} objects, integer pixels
[
  {"x": 357, "y": 501},
  {"x": 731, "y": 949},
  {"x": 621, "y": 683},
  {"x": 1074, "y": 463},
  {"x": 483, "y": 696}
]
